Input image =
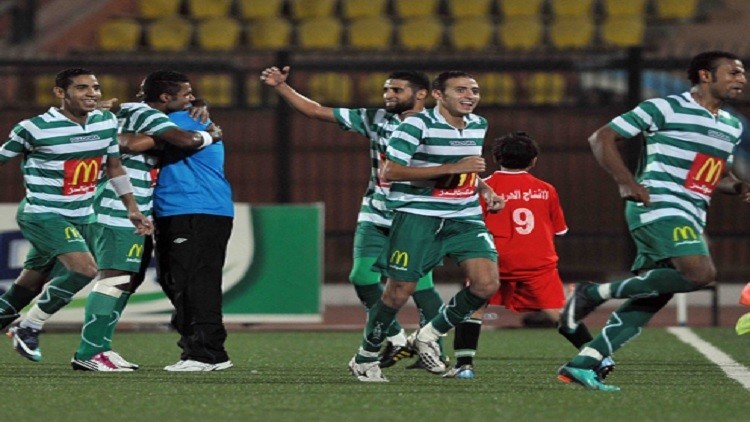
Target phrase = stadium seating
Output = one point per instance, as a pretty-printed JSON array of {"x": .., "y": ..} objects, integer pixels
[
  {"x": 574, "y": 32},
  {"x": 472, "y": 33},
  {"x": 269, "y": 34},
  {"x": 468, "y": 8},
  {"x": 520, "y": 7},
  {"x": 676, "y": 9},
  {"x": 319, "y": 33},
  {"x": 216, "y": 89},
  {"x": 544, "y": 88},
  {"x": 201, "y": 9},
  {"x": 371, "y": 88},
  {"x": 257, "y": 9},
  {"x": 412, "y": 9},
  {"x": 331, "y": 88},
  {"x": 573, "y": 7},
  {"x": 115, "y": 86},
  {"x": 355, "y": 9},
  {"x": 623, "y": 31},
  {"x": 370, "y": 33},
  {"x": 308, "y": 9},
  {"x": 171, "y": 33},
  {"x": 420, "y": 33},
  {"x": 218, "y": 34},
  {"x": 119, "y": 34},
  {"x": 521, "y": 32},
  {"x": 624, "y": 8},
  {"x": 497, "y": 88},
  {"x": 43, "y": 96},
  {"x": 153, "y": 9}
]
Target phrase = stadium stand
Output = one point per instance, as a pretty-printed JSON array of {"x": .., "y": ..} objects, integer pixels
[
  {"x": 219, "y": 33},
  {"x": 331, "y": 88},
  {"x": 116, "y": 86},
  {"x": 215, "y": 89},
  {"x": 202, "y": 9},
  {"x": 257, "y": 9},
  {"x": 423, "y": 33},
  {"x": 545, "y": 88},
  {"x": 472, "y": 33},
  {"x": 498, "y": 88},
  {"x": 308, "y": 9},
  {"x": 521, "y": 32},
  {"x": 624, "y": 8},
  {"x": 171, "y": 33},
  {"x": 469, "y": 8},
  {"x": 370, "y": 87},
  {"x": 676, "y": 9},
  {"x": 520, "y": 7},
  {"x": 43, "y": 96},
  {"x": 119, "y": 34},
  {"x": 274, "y": 33},
  {"x": 572, "y": 32},
  {"x": 320, "y": 33},
  {"x": 370, "y": 33},
  {"x": 412, "y": 9},
  {"x": 356, "y": 9},
  {"x": 153, "y": 9},
  {"x": 623, "y": 31},
  {"x": 572, "y": 7}
]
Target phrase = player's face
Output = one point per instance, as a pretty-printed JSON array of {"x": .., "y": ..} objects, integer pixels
[
  {"x": 81, "y": 96},
  {"x": 728, "y": 80},
  {"x": 182, "y": 100},
  {"x": 399, "y": 96},
  {"x": 460, "y": 97}
]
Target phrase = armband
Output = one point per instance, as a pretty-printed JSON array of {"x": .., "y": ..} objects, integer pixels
[
  {"x": 121, "y": 185},
  {"x": 206, "y": 137}
]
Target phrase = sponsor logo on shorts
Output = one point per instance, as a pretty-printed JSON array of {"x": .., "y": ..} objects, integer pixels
[
  {"x": 135, "y": 253},
  {"x": 399, "y": 260},
  {"x": 684, "y": 235},
  {"x": 72, "y": 234}
]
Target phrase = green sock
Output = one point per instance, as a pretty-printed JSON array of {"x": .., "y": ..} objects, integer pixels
[
  {"x": 379, "y": 318},
  {"x": 12, "y": 301},
  {"x": 61, "y": 290},
  {"x": 114, "y": 318},
  {"x": 458, "y": 309},
  {"x": 369, "y": 295},
  {"x": 652, "y": 283},
  {"x": 98, "y": 313}
]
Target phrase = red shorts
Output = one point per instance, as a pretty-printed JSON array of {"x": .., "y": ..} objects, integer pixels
[{"x": 544, "y": 291}]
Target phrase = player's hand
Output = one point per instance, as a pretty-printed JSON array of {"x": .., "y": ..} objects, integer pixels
[
  {"x": 143, "y": 225},
  {"x": 636, "y": 193},
  {"x": 215, "y": 131},
  {"x": 494, "y": 202},
  {"x": 107, "y": 104},
  {"x": 199, "y": 111},
  {"x": 471, "y": 164},
  {"x": 274, "y": 77}
]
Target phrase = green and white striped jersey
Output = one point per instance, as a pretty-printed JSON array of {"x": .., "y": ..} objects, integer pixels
[
  {"x": 133, "y": 118},
  {"x": 686, "y": 152},
  {"x": 62, "y": 163},
  {"x": 426, "y": 140},
  {"x": 377, "y": 125}
]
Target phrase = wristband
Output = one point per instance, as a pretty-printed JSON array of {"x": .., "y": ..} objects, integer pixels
[
  {"x": 121, "y": 185},
  {"x": 207, "y": 139}
]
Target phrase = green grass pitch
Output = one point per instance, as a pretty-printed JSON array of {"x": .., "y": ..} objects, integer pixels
[{"x": 302, "y": 376}]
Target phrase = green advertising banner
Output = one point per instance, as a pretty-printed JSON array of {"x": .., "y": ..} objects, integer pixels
[{"x": 273, "y": 271}]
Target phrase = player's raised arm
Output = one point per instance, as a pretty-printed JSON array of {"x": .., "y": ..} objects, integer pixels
[{"x": 276, "y": 78}]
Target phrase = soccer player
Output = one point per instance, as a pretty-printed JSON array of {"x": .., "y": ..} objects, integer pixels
[
  {"x": 121, "y": 255},
  {"x": 689, "y": 141},
  {"x": 432, "y": 161},
  {"x": 404, "y": 93},
  {"x": 524, "y": 238},
  {"x": 63, "y": 151}
]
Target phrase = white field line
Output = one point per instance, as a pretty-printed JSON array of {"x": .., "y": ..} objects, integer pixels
[{"x": 732, "y": 368}]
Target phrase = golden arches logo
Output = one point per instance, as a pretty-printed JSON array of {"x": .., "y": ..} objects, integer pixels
[
  {"x": 135, "y": 251},
  {"x": 684, "y": 233},
  {"x": 400, "y": 258},
  {"x": 710, "y": 171},
  {"x": 90, "y": 171},
  {"x": 72, "y": 233}
]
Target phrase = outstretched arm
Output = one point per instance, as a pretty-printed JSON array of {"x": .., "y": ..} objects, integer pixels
[
  {"x": 604, "y": 146},
  {"x": 276, "y": 78},
  {"x": 120, "y": 182}
]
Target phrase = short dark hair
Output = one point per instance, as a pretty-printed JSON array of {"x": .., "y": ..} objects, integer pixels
[
  {"x": 439, "y": 82},
  {"x": 707, "y": 60},
  {"x": 64, "y": 78},
  {"x": 160, "y": 82},
  {"x": 417, "y": 80},
  {"x": 515, "y": 150}
]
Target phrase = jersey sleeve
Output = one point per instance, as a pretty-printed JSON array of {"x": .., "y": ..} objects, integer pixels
[
  {"x": 646, "y": 117},
  {"x": 15, "y": 145},
  {"x": 405, "y": 140},
  {"x": 559, "y": 226},
  {"x": 146, "y": 120}
]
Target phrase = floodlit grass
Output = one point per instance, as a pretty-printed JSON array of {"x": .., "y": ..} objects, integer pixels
[{"x": 302, "y": 376}]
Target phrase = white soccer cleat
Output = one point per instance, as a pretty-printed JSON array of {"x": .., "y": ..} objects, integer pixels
[
  {"x": 429, "y": 352},
  {"x": 98, "y": 363},
  {"x": 195, "y": 366},
  {"x": 118, "y": 360},
  {"x": 367, "y": 371}
]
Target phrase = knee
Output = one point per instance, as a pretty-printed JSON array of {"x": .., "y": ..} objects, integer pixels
[
  {"x": 701, "y": 276},
  {"x": 396, "y": 294},
  {"x": 484, "y": 287}
]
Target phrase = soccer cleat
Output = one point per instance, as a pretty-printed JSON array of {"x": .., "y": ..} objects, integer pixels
[
  {"x": 577, "y": 306},
  {"x": 118, "y": 360},
  {"x": 429, "y": 354},
  {"x": 606, "y": 367},
  {"x": 190, "y": 365},
  {"x": 392, "y": 354},
  {"x": 366, "y": 371},
  {"x": 465, "y": 372},
  {"x": 585, "y": 377},
  {"x": 26, "y": 342},
  {"x": 98, "y": 363}
]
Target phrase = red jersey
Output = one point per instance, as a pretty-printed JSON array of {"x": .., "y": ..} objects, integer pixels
[{"x": 524, "y": 230}]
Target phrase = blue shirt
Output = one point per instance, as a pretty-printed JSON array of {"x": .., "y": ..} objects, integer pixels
[{"x": 192, "y": 182}]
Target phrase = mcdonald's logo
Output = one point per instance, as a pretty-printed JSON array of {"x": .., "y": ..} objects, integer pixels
[
  {"x": 90, "y": 170},
  {"x": 135, "y": 251},
  {"x": 72, "y": 233},
  {"x": 710, "y": 171},
  {"x": 683, "y": 233},
  {"x": 400, "y": 258}
]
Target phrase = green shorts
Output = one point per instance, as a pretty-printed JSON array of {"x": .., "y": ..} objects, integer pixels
[
  {"x": 661, "y": 240},
  {"x": 369, "y": 240},
  {"x": 117, "y": 248},
  {"x": 52, "y": 237},
  {"x": 418, "y": 243}
]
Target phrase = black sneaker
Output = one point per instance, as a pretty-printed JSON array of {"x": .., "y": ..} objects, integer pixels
[
  {"x": 577, "y": 306},
  {"x": 26, "y": 342},
  {"x": 392, "y": 354}
]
